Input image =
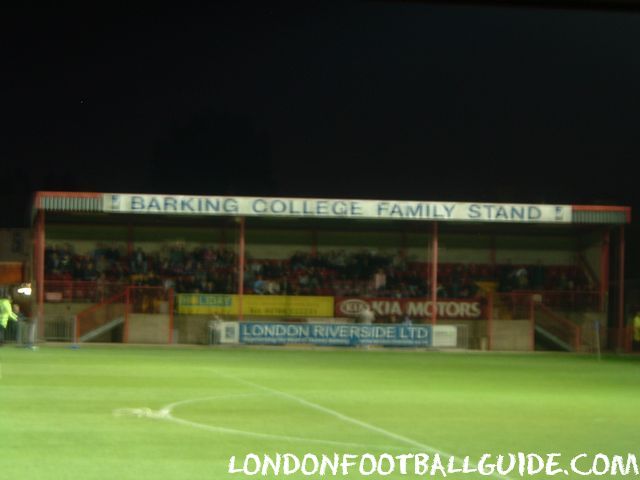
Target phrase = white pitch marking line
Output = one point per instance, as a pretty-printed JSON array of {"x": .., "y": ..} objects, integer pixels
[
  {"x": 345, "y": 418},
  {"x": 352, "y": 420},
  {"x": 140, "y": 412},
  {"x": 173, "y": 405},
  {"x": 269, "y": 436},
  {"x": 165, "y": 413}
]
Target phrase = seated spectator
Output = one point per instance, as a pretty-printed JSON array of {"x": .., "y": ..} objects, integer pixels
[
  {"x": 521, "y": 278},
  {"x": 272, "y": 287},
  {"x": 366, "y": 315},
  {"x": 259, "y": 286},
  {"x": 379, "y": 280}
]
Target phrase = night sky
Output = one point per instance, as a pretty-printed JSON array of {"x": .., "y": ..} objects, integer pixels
[{"x": 386, "y": 99}]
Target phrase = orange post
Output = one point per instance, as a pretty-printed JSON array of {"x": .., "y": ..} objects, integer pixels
[
  {"x": 127, "y": 305},
  {"x": 621, "y": 248},
  {"x": 533, "y": 322},
  {"x": 76, "y": 329},
  {"x": 171, "y": 303},
  {"x": 604, "y": 269},
  {"x": 490, "y": 321},
  {"x": 241, "y": 259},
  {"x": 434, "y": 274},
  {"x": 39, "y": 247}
]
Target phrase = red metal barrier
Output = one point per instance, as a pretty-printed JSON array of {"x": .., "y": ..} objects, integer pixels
[
  {"x": 561, "y": 327},
  {"x": 120, "y": 306},
  {"x": 99, "y": 315},
  {"x": 80, "y": 291}
]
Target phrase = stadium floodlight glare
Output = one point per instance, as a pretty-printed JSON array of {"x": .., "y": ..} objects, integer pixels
[{"x": 25, "y": 289}]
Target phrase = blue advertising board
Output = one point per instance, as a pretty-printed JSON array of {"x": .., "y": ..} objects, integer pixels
[{"x": 335, "y": 334}]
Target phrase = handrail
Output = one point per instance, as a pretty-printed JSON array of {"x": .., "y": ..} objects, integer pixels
[
  {"x": 575, "y": 330},
  {"x": 101, "y": 304},
  {"x": 121, "y": 305},
  {"x": 87, "y": 311},
  {"x": 555, "y": 316}
]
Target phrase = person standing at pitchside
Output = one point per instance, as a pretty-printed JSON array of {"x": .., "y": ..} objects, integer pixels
[
  {"x": 366, "y": 315},
  {"x": 6, "y": 313},
  {"x": 636, "y": 332}
]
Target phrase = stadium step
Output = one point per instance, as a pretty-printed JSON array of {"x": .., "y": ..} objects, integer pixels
[
  {"x": 101, "y": 329},
  {"x": 551, "y": 338}
]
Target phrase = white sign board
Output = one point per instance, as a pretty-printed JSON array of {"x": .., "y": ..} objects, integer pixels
[{"x": 334, "y": 208}]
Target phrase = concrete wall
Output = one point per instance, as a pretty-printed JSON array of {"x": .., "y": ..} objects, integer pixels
[
  {"x": 508, "y": 335},
  {"x": 471, "y": 333},
  {"x": 192, "y": 328},
  {"x": 148, "y": 328},
  {"x": 58, "y": 320},
  {"x": 143, "y": 328},
  {"x": 511, "y": 335}
]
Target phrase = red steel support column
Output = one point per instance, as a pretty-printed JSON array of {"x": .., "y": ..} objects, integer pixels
[
  {"x": 621, "y": 325},
  {"x": 532, "y": 320},
  {"x": 604, "y": 269},
  {"x": 434, "y": 275},
  {"x": 171, "y": 305},
  {"x": 76, "y": 330},
  {"x": 492, "y": 255},
  {"x": 490, "y": 321},
  {"x": 127, "y": 308},
  {"x": 39, "y": 246},
  {"x": 241, "y": 258}
]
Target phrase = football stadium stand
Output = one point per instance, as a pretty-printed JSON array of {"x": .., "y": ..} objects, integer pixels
[{"x": 161, "y": 268}]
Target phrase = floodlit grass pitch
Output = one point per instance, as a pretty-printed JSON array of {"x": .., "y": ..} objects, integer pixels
[{"x": 181, "y": 413}]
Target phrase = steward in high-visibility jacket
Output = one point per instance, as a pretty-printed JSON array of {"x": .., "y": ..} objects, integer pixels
[
  {"x": 636, "y": 328},
  {"x": 6, "y": 313}
]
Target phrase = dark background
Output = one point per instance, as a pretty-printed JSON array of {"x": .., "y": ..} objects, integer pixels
[{"x": 371, "y": 99}]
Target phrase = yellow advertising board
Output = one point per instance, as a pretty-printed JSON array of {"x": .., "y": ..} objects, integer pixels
[
  {"x": 256, "y": 305},
  {"x": 207, "y": 304}
]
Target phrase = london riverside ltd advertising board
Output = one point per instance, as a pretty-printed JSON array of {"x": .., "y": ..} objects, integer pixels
[
  {"x": 335, "y": 208},
  {"x": 338, "y": 334}
]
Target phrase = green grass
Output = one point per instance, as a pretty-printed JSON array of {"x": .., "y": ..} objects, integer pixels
[{"x": 57, "y": 407}]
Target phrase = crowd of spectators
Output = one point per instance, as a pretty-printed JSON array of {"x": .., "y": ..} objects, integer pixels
[
  {"x": 207, "y": 269},
  {"x": 203, "y": 269}
]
